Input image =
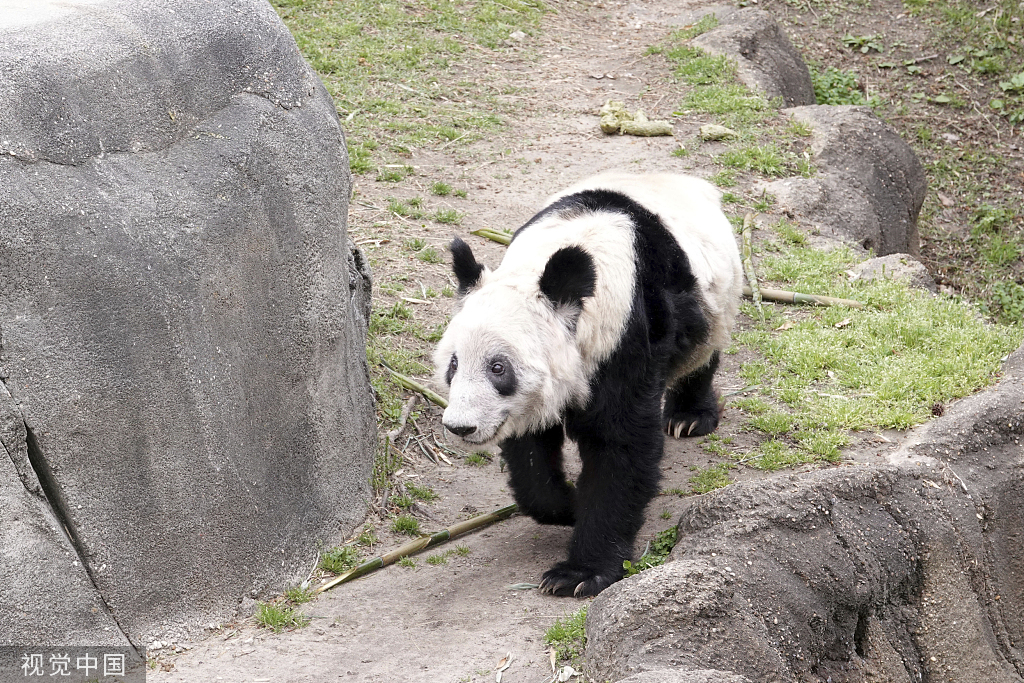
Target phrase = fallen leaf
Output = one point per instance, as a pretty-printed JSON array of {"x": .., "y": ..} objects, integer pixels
[
  {"x": 522, "y": 586},
  {"x": 505, "y": 663},
  {"x": 842, "y": 323},
  {"x": 788, "y": 325},
  {"x": 566, "y": 673},
  {"x": 551, "y": 658}
]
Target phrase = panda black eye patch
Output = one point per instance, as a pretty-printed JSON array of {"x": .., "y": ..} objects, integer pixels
[
  {"x": 502, "y": 375},
  {"x": 453, "y": 365}
]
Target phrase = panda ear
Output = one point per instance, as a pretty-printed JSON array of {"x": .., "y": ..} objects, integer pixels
[
  {"x": 569, "y": 277},
  {"x": 464, "y": 264}
]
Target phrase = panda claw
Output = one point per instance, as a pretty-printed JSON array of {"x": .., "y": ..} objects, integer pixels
[
  {"x": 579, "y": 589},
  {"x": 678, "y": 430},
  {"x": 693, "y": 425}
]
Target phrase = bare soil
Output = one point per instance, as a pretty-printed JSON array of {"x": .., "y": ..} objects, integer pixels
[{"x": 455, "y": 621}]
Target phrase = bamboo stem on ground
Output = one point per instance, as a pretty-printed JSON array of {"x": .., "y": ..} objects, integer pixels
[
  {"x": 494, "y": 235},
  {"x": 419, "y": 545},
  {"x": 413, "y": 385},
  {"x": 748, "y": 263},
  {"x": 798, "y": 298}
]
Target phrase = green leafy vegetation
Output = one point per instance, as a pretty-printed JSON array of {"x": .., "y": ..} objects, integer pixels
[
  {"x": 339, "y": 560},
  {"x": 406, "y": 524},
  {"x": 568, "y": 637},
  {"x": 655, "y": 554},
  {"x": 710, "y": 478},
  {"x": 278, "y": 617}
]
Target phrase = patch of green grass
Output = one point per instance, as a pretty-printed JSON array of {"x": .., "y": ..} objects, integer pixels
[
  {"x": 772, "y": 422},
  {"x": 710, "y": 478},
  {"x": 656, "y": 553},
  {"x": 429, "y": 255},
  {"x": 568, "y": 637},
  {"x": 367, "y": 537},
  {"x": 387, "y": 65},
  {"x": 441, "y": 189},
  {"x": 448, "y": 216},
  {"x": 339, "y": 559},
  {"x": 277, "y": 617},
  {"x": 407, "y": 562},
  {"x": 415, "y": 243},
  {"x": 882, "y": 366},
  {"x": 752, "y": 405},
  {"x": 462, "y": 550},
  {"x": 789, "y": 233},
  {"x": 460, "y": 193},
  {"x": 448, "y": 291},
  {"x": 479, "y": 458},
  {"x": 774, "y": 455},
  {"x": 298, "y": 594},
  {"x": 767, "y": 160},
  {"x": 713, "y": 443},
  {"x": 724, "y": 178},
  {"x": 424, "y": 493},
  {"x": 406, "y": 524},
  {"x": 666, "y": 514},
  {"x": 438, "y": 558}
]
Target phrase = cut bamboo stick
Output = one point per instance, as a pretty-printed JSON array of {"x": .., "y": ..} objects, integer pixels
[
  {"x": 748, "y": 263},
  {"x": 500, "y": 237},
  {"x": 419, "y": 545},
  {"x": 413, "y": 385},
  {"x": 798, "y": 298}
]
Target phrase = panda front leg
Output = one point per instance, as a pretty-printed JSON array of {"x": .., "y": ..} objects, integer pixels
[
  {"x": 691, "y": 404},
  {"x": 619, "y": 478},
  {"x": 536, "y": 477}
]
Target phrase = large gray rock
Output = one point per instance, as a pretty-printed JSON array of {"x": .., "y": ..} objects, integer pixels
[
  {"x": 869, "y": 185},
  {"x": 904, "y": 572},
  {"x": 182, "y": 319},
  {"x": 765, "y": 59}
]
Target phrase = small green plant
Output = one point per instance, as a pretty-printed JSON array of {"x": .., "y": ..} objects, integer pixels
[
  {"x": 277, "y": 617},
  {"x": 441, "y": 189},
  {"x": 710, "y": 478},
  {"x": 407, "y": 562},
  {"x": 406, "y": 524},
  {"x": 438, "y": 558},
  {"x": 460, "y": 193},
  {"x": 447, "y": 291},
  {"x": 339, "y": 559},
  {"x": 864, "y": 44},
  {"x": 448, "y": 216},
  {"x": 835, "y": 86},
  {"x": 569, "y": 637},
  {"x": 1009, "y": 296},
  {"x": 298, "y": 594},
  {"x": 479, "y": 458},
  {"x": 424, "y": 493},
  {"x": 666, "y": 514},
  {"x": 656, "y": 554},
  {"x": 462, "y": 550},
  {"x": 415, "y": 243},
  {"x": 429, "y": 255},
  {"x": 392, "y": 175},
  {"x": 368, "y": 536},
  {"x": 789, "y": 233},
  {"x": 724, "y": 178}
]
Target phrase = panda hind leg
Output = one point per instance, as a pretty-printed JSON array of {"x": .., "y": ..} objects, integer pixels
[
  {"x": 535, "y": 474},
  {"x": 691, "y": 404}
]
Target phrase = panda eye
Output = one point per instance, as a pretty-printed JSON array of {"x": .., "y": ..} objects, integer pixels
[
  {"x": 453, "y": 365},
  {"x": 498, "y": 368}
]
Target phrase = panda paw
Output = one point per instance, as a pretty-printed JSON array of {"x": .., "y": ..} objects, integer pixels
[
  {"x": 565, "y": 579},
  {"x": 691, "y": 423}
]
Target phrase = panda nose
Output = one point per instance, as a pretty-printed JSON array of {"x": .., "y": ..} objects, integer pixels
[{"x": 460, "y": 431}]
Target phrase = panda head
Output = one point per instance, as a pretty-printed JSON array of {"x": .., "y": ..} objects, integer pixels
[{"x": 509, "y": 357}]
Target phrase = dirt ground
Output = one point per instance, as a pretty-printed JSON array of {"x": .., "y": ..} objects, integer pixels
[{"x": 455, "y": 621}]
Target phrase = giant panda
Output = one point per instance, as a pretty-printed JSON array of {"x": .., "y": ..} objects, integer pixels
[{"x": 604, "y": 324}]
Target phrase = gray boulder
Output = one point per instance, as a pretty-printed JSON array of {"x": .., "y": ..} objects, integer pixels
[
  {"x": 186, "y": 408},
  {"x": 869, "y": 185},
  {"x": 904, "y": 572},
  {"x": 895, "y": 267},
  {"x": 765, "y": 59}
]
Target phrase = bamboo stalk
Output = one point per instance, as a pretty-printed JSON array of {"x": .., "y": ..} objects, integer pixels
[
  {"x": 413, "y": 385},
  {"x": 798, "y": 298},
  {"x": 748, "y": 263},
  {"x": 419, "y": 545},
  {"x": 493, "y": 235}
]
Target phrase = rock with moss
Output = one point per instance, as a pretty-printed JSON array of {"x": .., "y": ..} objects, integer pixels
[
  {"x": 765, "y": 59},
  {"x": 895, "y": 267}
]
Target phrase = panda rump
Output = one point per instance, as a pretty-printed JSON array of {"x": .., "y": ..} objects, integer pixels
[{"x": 603, "y": 323}]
